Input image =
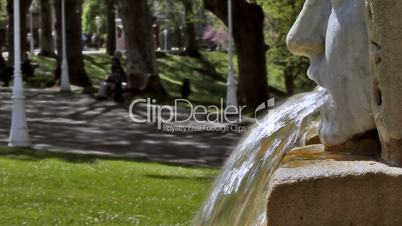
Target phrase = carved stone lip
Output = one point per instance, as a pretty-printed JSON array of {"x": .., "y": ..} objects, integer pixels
[
  {"x": 310, "y": 72},
  {"x": 313, "y": 71}
]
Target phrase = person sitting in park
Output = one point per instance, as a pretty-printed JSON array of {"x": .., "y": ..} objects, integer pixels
[
  {"x": 6, "y": 75},
  {"x": 27, "y": 68},
  {"x": 114, "y": 83}
]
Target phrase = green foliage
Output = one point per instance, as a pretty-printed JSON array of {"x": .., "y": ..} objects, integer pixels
[
  {"x": 174, "y": 14},
  {"x": 39, "y": 188},
  {"x": 92, "y": 9},
  {"x": 3, "y": 10},
  {"x": 281, "y": 15}
]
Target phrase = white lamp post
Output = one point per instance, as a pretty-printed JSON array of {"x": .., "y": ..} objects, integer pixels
[
  {"x": 166, "y": 32},
  {"x": 117, "y": 22},
  {"x": 65, "y": 80},
  {"x": 97, "y": 23},
  {"x": 231, "y": 99},
  {"x": 19, "y": 136},
  {"x": 32, "y": 40},
  {"x": 165, "y": 39}
]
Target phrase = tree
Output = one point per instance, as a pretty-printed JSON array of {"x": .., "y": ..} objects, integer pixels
[
  {"x": 191, "y": 41},
  {"x": 105, "y": 10},
  {"x": 2, "y": 61},
  {"x": 91, "y": 10},
  {"x": 281, "y": 16},
  {"x": 24, "y": 4},
  {"x": 110, "y": 27},
  {"x": 248, "y": 35},
  {"x": 141, "y": 61},
  {"x": 293, "y": 67},
  {"x": 46, "y": 40},
  {"x": 78, "y": 75}
]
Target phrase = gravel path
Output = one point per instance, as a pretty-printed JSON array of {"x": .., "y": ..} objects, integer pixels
[{"x": 78, "y": 123}]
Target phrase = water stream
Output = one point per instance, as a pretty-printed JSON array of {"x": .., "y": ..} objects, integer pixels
[{"x": 239, "y": 195}]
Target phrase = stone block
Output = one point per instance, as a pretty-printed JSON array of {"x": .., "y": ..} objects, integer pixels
[
  {"x": 335, "y": 193},
  {"x": 385, "y": 41}
]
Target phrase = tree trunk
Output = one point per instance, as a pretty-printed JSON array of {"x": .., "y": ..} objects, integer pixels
[
  {"x": 141, "y": 61},
  {"x": 2, "y": 61},
  {"x": 111, "y": 27},
  {"x": 289, "y": 80},
  {"x": 191, "y": 40},
  {"x": 24, "y": 4},
  {"x": 248, "y": 35},
  {"x": 75, "y": 58},
  {"x": 46, "y": 41}
]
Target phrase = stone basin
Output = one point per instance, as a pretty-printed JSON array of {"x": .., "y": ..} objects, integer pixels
[{"x": 314, "y": 187}]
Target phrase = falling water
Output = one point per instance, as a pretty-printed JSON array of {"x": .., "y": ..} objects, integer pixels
[{"x": 239, "y": 195}]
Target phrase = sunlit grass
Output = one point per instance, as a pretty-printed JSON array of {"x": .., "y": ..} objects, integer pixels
[
  {"x": 38, "y": 188},
  {"x": 206, "y": 89},
  {"x": 97, "y": 67},
  {"x": 173, "y": 70},
  {"x": 207, "y": 77}
]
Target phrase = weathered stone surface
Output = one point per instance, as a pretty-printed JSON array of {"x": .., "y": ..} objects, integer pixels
[
  {"x": 385, "y": 38},
  {"x": 333, "y": 35},
  {"x": 329, "y": 192},
  {"x": 360, "y": 144}
]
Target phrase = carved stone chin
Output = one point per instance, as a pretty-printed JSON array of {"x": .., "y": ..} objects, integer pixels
[{"x": 333, "y": 35}]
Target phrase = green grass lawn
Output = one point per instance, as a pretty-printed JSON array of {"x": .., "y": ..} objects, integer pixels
[
  {"x": 207, "y": 76},
  {"x": 206, "y": 88},
  {"x": 173, "y": 70},
  {"x": 38, "y": 188},
  {"x": 97, "y": 66}
]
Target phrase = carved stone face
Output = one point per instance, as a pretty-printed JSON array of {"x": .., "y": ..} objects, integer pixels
[{"x": 333, "y": 35}]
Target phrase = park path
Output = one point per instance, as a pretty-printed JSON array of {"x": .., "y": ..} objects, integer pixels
[{"x": 80, "y": 124}]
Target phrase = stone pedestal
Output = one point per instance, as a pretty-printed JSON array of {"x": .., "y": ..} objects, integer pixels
[
  {"x": 334, "y": 193},
  {"x": 385, "y": 41}
]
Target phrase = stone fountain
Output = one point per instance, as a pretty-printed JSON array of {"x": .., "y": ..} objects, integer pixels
[{"x": 352, "y": 177}]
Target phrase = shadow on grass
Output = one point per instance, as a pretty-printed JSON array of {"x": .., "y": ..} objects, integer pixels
[
  {"x": 207, "y": 86},
  {"x": 31, "y": 154},
  {"x": 172, "y": 177},
  {"x": 207, "y": 74}
]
